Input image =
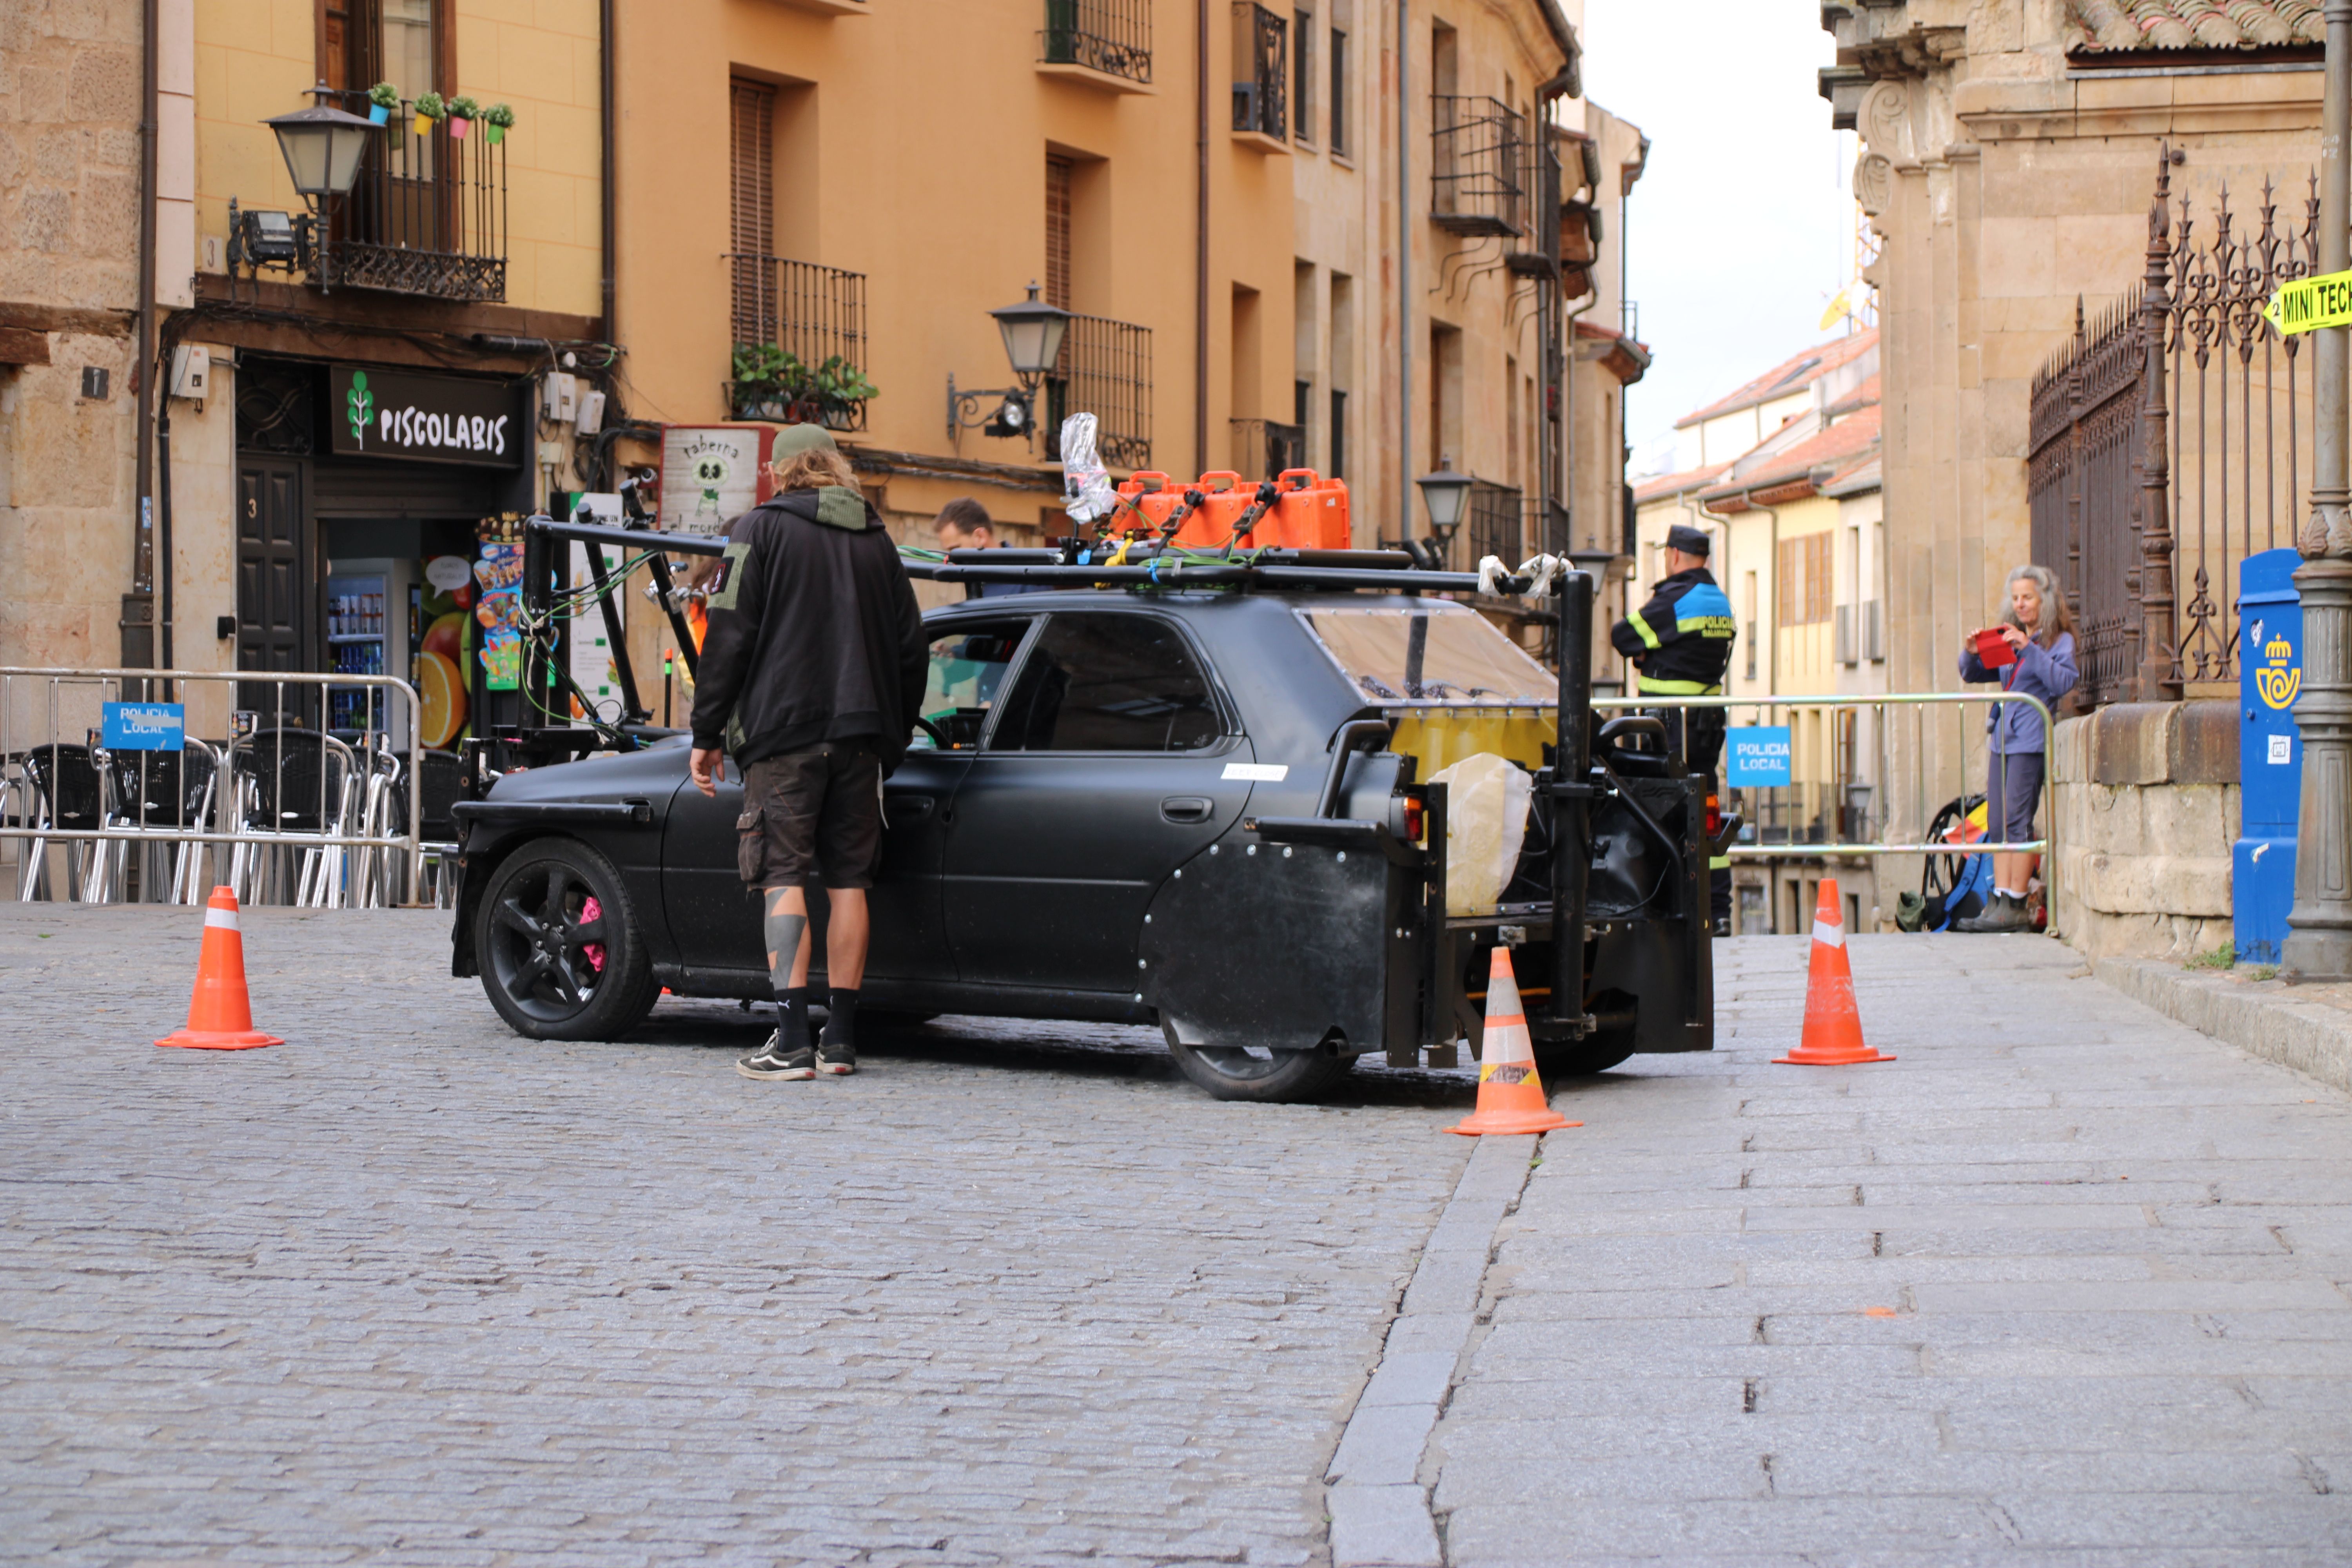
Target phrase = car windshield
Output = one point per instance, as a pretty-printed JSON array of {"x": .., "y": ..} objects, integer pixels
[{"x": 1421, "y": 655}]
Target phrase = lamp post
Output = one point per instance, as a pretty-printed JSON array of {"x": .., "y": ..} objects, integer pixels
[
  {"x": 322, "y": 147},
  {"x": 2319, "y": 927},
  {"x": 1447, "y": 496},
  {"x": 1033, "y": 333}
]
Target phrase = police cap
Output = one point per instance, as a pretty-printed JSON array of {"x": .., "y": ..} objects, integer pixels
[{"x": 1682, "y": 536}]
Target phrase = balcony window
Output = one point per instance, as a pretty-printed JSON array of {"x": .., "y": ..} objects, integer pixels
[
  {"x": 1480, "y": 176},
  {"x": 1261, "y": 72},
  {"x": 1112, "y": 37},
  {"x": 426, "y": 216},
  {"x": 1104, "y": 370},
  {"x": 800, "y": 344},
  {"x": 1263, "y": 448},
  {"x": 1496, "y": 523}
]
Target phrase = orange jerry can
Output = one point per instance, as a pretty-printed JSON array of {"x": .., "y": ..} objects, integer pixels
[
  {"x": 1223, "y": 498},
  {"x": 1312, "y": 514},
  {"x": 1151, "y": 496}
]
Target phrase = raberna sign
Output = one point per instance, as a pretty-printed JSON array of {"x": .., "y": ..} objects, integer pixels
[{"x": 377, "y": 413}]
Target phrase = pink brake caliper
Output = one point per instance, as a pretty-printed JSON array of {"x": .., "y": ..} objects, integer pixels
[{"x": 591, "y": 910}]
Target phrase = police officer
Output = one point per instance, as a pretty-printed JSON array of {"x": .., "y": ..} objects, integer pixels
[{"x": 1680, "y": 643}]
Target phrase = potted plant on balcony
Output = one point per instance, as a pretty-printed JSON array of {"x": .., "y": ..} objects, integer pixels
[
  {"x": 429, "y": 109},
  {"x": 840, "y": 387},
  {"x": 773, "y": 383},
  {"x": 463, "y": 112},
  {"x": 382, "y": 98},
  {"x": 500, "y": 119}
]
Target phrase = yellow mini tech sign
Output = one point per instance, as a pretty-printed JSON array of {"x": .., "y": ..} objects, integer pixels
[
  {"x": 2275, "y": 680},
  {"x": 2307, "y": 304}
]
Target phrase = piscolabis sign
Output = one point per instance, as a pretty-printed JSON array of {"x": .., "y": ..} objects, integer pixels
[
  {"x": 2308, "y": 304},
  {"x": 1757, "y": 756},
  {"x": 382, "y": 412},
  {"x": 144, "y": 726}
]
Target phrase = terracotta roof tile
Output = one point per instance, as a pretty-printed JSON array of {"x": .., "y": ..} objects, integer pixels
[
  {"x": 1836, "y": 448},
  {"x": 2132, "y": 26},
  {"x": 1675, "y": 484},
  {"x": 1791, "y": 374}
]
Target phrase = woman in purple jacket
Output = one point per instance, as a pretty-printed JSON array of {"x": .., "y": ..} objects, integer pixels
[{"x": 2042, "y": 633}]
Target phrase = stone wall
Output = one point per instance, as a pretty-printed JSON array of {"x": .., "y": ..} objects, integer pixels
[
  {"x": 2148, "y": 804},
  {"x": 68, "y": 281}
]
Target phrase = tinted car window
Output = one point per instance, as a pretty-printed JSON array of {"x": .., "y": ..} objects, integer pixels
[
  {"x": 967, "y": 669},
  {"x": 1108, "y": 683}
]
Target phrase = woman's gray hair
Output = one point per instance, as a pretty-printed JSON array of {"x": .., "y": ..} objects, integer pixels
[{"x": 2056, "y": 617}]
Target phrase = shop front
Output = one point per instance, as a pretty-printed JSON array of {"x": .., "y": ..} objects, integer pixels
[{"x": 365, "y": 495}]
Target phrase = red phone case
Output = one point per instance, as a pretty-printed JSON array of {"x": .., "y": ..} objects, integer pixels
[{"x": 1993, "y": 651}]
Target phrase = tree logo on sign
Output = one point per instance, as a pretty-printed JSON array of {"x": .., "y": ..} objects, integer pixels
[{"x": 363, "y": 407}]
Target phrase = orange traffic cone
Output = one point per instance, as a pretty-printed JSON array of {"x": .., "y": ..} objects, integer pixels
[
  {"x": 220, "y": 1018},
  {"x": 1832, "y": 1028},
  {"x": 1510, "y": 1095}
]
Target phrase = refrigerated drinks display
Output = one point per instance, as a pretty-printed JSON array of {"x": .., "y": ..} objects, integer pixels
[{"x": 356, "y": 627}]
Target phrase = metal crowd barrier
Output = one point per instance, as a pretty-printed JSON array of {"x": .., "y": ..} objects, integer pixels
[
  {"x": 289, "y": 810},
  {"x": 1906, "y": 743}
]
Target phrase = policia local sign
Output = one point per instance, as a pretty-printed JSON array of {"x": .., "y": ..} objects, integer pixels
[{"x": 377, "y": 413}]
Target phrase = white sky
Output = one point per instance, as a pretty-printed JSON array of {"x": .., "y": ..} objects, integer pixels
[{"x": 1741, "y": 231}]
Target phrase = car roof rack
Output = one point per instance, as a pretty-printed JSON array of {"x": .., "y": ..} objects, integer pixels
[{"x": 1135, "y": 566}]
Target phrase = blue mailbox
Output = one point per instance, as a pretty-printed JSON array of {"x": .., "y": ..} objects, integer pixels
[{"x": 2270, "y": 752}]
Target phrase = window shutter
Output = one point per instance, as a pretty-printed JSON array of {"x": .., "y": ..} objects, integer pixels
[
  {"x": 753, "y": 198},
  {"x": 1057, "y": 232}
]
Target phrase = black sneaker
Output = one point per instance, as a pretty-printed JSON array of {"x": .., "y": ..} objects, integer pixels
[
  {"x": 773, "y": 1061},
  {"x": 834, "y": 1057}
]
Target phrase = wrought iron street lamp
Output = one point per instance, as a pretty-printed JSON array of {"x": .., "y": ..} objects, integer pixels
[
  {"x": 324, "y": 147},
  {"x": 1032, "y": 331},
  {"x": 1447, "y": 496}
]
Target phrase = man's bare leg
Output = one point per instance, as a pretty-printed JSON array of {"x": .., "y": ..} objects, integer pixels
[{"x": 846, "y": 935}]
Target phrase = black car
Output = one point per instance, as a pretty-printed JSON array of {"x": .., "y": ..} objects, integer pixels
[{"x": 1203, "y": 808}]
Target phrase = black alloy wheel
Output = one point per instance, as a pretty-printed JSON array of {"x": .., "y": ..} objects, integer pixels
[
  {"x": 1259, "y": 1073},
  {"x": 560, "y": 951}
]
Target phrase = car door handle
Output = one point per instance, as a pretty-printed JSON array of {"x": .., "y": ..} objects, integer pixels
[
  {"x": 912, "y": 808},
  {"x": 1186, "y": 808}
]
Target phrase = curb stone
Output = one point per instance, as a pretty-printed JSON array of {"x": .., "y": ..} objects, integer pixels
[
  {"x": 2305, "y": 1028},
  {"x": 1378, "y": 1508}
]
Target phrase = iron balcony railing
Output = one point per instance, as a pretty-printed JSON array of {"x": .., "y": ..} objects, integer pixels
[
  {"x": 1104, "y": 370},
  {"x": 1263, "y": 448},
  {"x": 1481, "y": 174},
  {"x": 1113, "y": 37},
  {"x": 427, "y": 214},
  {"x": 800, "y": 328},
  {"x": 1536, "y": 252},
  {"x": 1496, "y": 523},
  {"x": 1261, "y": 70}
]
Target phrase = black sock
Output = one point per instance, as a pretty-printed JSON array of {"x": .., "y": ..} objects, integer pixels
[
  {"x": 791, "y": 1018},
  {"x": 841, "y": 1023}
]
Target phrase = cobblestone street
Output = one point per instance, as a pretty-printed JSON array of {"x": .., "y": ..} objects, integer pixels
[
  {"x": 2064, "y": 1284},
  {"x": 409, "y": 1288}
]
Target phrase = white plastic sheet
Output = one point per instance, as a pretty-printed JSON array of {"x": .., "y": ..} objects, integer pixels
[{"x": 1486, "y": 825}]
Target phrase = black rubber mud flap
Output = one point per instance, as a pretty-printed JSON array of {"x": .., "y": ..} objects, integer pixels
[{"x": 1275, "y": 948}]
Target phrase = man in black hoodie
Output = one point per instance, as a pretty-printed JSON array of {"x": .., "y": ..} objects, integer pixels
[{"x": 812, "y": 675}]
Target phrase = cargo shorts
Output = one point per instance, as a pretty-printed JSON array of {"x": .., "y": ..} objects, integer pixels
[{"x": 811, "y": 814}]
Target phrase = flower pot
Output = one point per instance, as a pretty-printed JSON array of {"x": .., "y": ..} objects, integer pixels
[
  {"x": 498, "y": 134},
  {"x": 424, "y": 125},
  {"x": 379, "y": 113},
  {"x": 457, "y": 124}
]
